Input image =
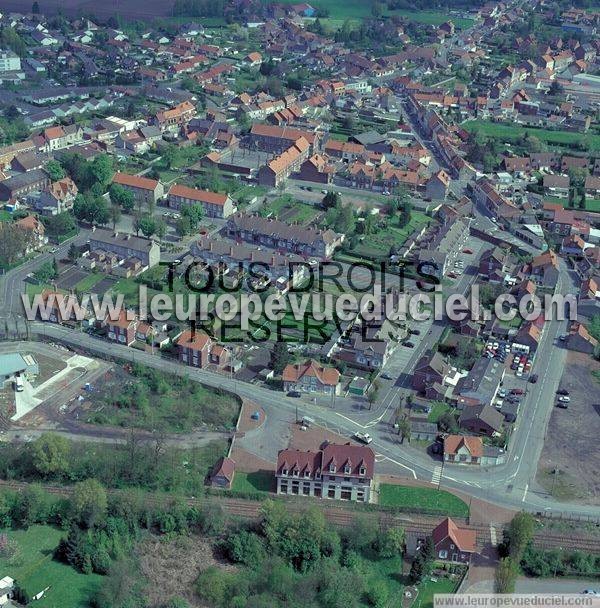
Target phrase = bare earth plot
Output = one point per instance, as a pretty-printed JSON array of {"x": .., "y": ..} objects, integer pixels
[{"x": 568, "y": 467}]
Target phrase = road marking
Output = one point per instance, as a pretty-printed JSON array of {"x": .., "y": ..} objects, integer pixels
[
  {"x": 525, "y": 493},
  {"x": 403, "y": 466},
  {"x": 436, "y": 475}
]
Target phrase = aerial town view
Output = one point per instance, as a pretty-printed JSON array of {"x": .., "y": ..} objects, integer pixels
[{"x": 299, "y": 303}]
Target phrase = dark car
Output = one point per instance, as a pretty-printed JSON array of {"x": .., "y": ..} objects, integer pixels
[
  {"x": 409, "y": 345},
  {"x": 562, "y": 406},
  {"x": 294, "y": 394},
  {"x": 533, "y": 378},
  {"x": 386, "y": 376},
  {"x": 517, "y": 391},
  {"x": 414, "y": 332},
  {"x": 562, "y": 391}
]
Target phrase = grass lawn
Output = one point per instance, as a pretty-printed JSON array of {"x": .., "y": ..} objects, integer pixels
[
  {"x": 437, "y": 411},
  {"x": 259, "y": 481},
  {"x": 5, "y": 216},
  {"x": 36, "y": 570},
  {"x": 88, "y": 282},
  {"x": 433, "y": 17},
  {"x": 379, "y": 243},
  {"x": 290, "y": 210},
  {"x": 510, "y": 133},
  {"x": 428, "y": 588},
  {"x": 426, "y": 499}
]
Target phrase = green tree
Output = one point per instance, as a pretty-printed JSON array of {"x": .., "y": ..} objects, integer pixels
[
  {"x": 520, "y": 533},
  {"x": 390, "y": 542},
  {"x": 115, "y": 215},
  {"x": 89, "y": 502},
  {"x": 50, "y": 454},
  {"x": 54, "y": 170},
  {"x": 280, "y": 357},
  {"x": 122, "y": 197},
  {"x": 194, "y": 213},
  {"x": 404, "y": 428},
  {"x": 506, "y": 576},
  {"x": 147, "y": 225}
]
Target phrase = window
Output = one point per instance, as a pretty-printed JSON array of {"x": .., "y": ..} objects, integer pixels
[
  {"x": 347, "y": 470},
  {"x": 332, "y": 468},
  {"x": 443, "y": 554},
  {"x": 284, "y": 471},
  {"x": 363, "y": 471},
  {"x": 306, "y": 473}
]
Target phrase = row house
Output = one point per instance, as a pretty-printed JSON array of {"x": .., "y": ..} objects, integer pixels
[
  {"x": 215, "y": 205},
  {"x": 144, "y": 189},
  {"x": 494, "y": 264},
  {"x": 58, "y": 138},
  {"x": 543, "y": 269},
  {"x": 198, "y": 349},
  {"x": 311, "y": 377},
  {"x": 262, "y": 267},
  {"x": 281, "y": 167},
  {"x": 317, "y": 168},
  {"x": 278, "y": 235},
  {"x": 274, "y": 139},
  {"x": 23, "y": 184},
  {"x": 124, "y": 246},
  {"x": 337, "y": 472}
]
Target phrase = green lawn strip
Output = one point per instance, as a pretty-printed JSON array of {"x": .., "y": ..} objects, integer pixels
[
  {"x": 258, "y": 481},
  {"x": 36, "y": 569},
  {"x": 510, "y": 133},
  {"x": 88, "y": 282},
  {"x": 425, "y": 499},
  {"x": 428, "y": 588},
  {"x": 591, "y": 204},
  {"x": 5, "y": 216}
]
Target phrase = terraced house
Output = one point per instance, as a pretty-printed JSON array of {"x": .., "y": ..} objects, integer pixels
[
  {"x": 214, "y": 204},
  {"x": 278, "y": 235},
  {"x": 311, "y": 377},
  {"x": 144, "y": 189}
]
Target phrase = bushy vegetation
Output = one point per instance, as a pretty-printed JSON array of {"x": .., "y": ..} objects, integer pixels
[
  {"x": 291, "y": 560},
  {"x": 151, "y": 465},
  {"x": 157, "y": 400}
]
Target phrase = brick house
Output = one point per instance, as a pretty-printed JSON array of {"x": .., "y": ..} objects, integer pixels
[
  {"x": 35, "y": 229},
  {"x": 493, "y": 264},
  {"x": 462, "y": 449},
  {"x": 143, "y": 189},
  {"x": 199, "y": 350},
  {"x": 214, "y": 204},
  {"x": 57, "y": 197},
  {"x": 311, "y": 377},
  {"x": 223, "y": 473},
  {"x": 122, "y": 330},
  {"x": 176, "y": 117},
  {"x": 482, "y": 419},
  {"x": 453, "y": 544},
  {"x": 281, "y": 167},
  {"x": 339, "y": 472},
  {"x": 431, "y": 369}
]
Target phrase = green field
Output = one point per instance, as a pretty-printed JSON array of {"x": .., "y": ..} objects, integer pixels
[
  {"x": 425, "y": 499},
  {"x": 5, "y": 216},
  {"x": 438, "y": 410},
  {"x": 258, "y": 481},
  {"x": 359, "y": 9},
  {"x": 509, "y": 133},
  {"x": 35, "y": 570}
]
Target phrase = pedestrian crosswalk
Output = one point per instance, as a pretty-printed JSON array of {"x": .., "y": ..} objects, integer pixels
[{"x": 436, "y": 475}]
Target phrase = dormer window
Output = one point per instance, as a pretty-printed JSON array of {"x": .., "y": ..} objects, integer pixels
[
  {"x": 363, "y": 471},
  {"x": 307, "y": 473},
  {"x": 332, "y": 468},
  {"x": 284, "y": 471},
  {"x": 347, "y": 469},
  {"x": 295, "y": 473}
]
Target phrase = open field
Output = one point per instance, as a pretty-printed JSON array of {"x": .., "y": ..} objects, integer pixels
[
  {"x": 569, "y": 462},
  {"x": 128, "y": 9},
  {"x": 591, "y": 204},
  {"x": 35, "y": 570},
  {"x": 509, "y": 133},
  {"x": 422, "y": 498}
]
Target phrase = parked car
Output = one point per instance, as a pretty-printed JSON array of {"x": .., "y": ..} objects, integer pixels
[
  {"x": 409, "y": 345},
  {"x": 467, "y": 251},
  {"x": 562, "y": 391},
  {"x": 386, "y": 376},
  {"x": 294, "y": 394},
  {"x": 562, "y": 405},
  {"x": 414, "y": 332},
  {"x": 517, "y": 391},
  {"x": 363, "y": 437},
  {"x": 564, "y": 399},
  {"x": 533, "y": 378}
]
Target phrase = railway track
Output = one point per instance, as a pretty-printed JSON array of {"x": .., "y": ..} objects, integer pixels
[{"x": 413, "y": 523}]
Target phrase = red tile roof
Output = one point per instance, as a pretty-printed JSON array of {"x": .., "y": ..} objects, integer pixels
[
  {"x": 453, "y": 443},
  {"x": 197, "y": 341},
  {"x": 464, "y": 539},
  {"x": 134, "y": 181},
  {"x": 326, "y": 375},
  {"x": 202, "y": 196}
]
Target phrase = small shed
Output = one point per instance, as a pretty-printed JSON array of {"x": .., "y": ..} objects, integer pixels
[
  {"x": 358, "y": 386},
  {"x": 223, "y": 473}
]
